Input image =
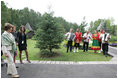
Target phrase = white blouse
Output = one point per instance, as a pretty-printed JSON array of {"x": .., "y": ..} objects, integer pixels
[
  {"x": 6, "y": 48},
  {"x": 104, "y": 39}
]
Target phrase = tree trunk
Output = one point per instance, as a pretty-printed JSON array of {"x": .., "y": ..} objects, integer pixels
[{"x": 51, "y": 50}]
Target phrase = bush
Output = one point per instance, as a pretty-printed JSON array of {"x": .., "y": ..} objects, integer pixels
[{"x": 113, "y": 38}]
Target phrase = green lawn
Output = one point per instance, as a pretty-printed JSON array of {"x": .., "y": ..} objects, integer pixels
[{"x": 34, "y": 54}]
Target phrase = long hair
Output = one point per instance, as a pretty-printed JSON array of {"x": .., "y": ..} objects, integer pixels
[{"x": 21, "y": 29}]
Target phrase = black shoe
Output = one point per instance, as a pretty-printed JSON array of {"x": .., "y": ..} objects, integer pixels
[
  {"x": 17, "y": 66},
  {"x": 9, "y": 74}
]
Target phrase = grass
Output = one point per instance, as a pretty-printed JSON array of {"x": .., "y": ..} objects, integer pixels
[{"x": 34, "y": 54}]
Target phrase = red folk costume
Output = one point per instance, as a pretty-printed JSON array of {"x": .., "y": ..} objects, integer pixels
[
  {"x": 99, "y": 33},
  {"x": 78, "y": 37},
  {"x": 95, "y": 44}
]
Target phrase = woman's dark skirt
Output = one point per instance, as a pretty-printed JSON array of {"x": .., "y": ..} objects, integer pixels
[{"x": 22, "y": 47}]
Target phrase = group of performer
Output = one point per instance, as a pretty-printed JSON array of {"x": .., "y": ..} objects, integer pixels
[{"x": 100, "y": 40}]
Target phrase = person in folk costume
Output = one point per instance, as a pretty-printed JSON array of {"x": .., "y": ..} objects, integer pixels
[
  {"x": 22, "y": 43},
  {"x": 78, "y": 38},
  {"x": 105, "y": 40},
  {"x": 86, "y": 38},
  {"x": 70, "y": 37},
  {"x": 8, "y": 48},
  {"x": 99, "y": 39},
  {"x": 95, "y": 45}
]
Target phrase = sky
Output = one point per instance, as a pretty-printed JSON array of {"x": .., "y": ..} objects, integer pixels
[{"x": 71, "y": 10}]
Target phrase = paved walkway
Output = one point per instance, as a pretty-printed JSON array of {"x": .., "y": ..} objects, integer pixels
[
  {"x": 113, "y": 50},
  {"x": 64, "y": 69}
]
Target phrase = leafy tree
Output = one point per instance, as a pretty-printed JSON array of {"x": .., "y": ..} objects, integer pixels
[
  {"x": 21, "y": 17},
  {"x": 108, "y": 24},
  {"x": 5, "y": 15}
]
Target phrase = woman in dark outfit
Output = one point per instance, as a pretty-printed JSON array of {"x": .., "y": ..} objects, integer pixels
[
  {"x": 16, "y": 40},
  {"x": 22, "y": 43}
]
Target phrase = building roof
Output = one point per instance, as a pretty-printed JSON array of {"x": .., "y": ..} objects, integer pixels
[{"x": 27, "y": 26}]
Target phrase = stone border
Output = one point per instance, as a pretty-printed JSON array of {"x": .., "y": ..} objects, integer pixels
[{"x": 69, "y": 62}]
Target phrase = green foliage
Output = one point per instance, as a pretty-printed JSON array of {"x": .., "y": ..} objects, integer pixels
[
  {"x": 50, "y": 34},
  {"x": 108, "y": 25},
  {"x": 26, "y": 31},
  {"x": 21, "y": 17},
  {"x": 83, "y": 25},
  {"x": 66, "y": 25},
  {"x": 5, "y": 16},
  {"x": 113, "y": 39},
  {"x": 114, "y": 30},
  {"x": 91, "y": 26}
]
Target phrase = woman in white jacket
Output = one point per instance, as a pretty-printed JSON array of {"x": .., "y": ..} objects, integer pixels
[{"x": 8, "y": 48}]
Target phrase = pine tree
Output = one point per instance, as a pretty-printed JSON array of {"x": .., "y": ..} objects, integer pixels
[{"x": 49, "y": 35}]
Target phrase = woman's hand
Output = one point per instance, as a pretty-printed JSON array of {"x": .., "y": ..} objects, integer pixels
[
  {"x": 17, "y": 44},
  {"x": 108, "y": 37},
  {"x": 6, "y": 55}
]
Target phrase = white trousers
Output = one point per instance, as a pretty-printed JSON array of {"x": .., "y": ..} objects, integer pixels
[{"x": 11, "y": 69}]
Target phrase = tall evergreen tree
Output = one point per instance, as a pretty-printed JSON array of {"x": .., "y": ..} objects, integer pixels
[{"x": 49, "y": 35}]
